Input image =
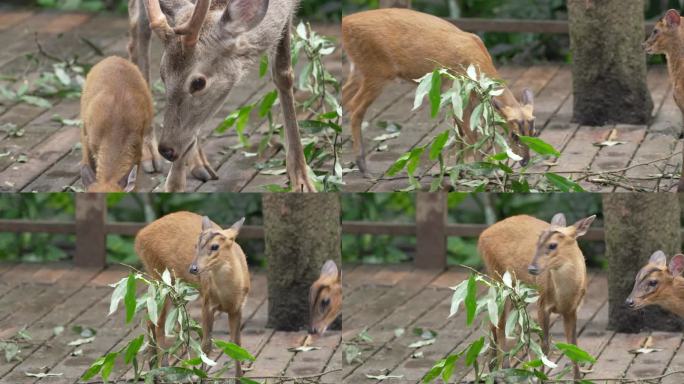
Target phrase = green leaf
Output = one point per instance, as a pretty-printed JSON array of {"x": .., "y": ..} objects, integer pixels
[
  {"x": 459, "y": 295},
  {"x": 228, "y": 122},
  {"x": 474, "y": 351},
  {"x": 414, "y": 159},
  {"x": 170, "y": 322},
  {"x": 471, "y": 300},
  {"x": 511, "y": 322},
  {"x": 129, "y": 299},
  {"x": 37, "y": 101},
  {"x": 422, "y": 90},
  {"x": 133, "y": 348},
  {"x": 449, "y": 366},
  {"x": 475, "y": 117},
  {"x": 438, "y": 144},
  {"x": 94, "y": 369},
  {"x": 267, "y": 102},
  {"x": 234, "y": 351},
  {"x": 108, "y": 365},
  {"x": 564, "y": 184},
  {"x": 435, "y": 93},
  {"x": 263, "y": 65},
  {"x": 152, "y": 305},
  {"x": 247, "y": 380},
  {"x": 399, "y": 164},
  {"x": 435, "y": 371},
  {"x": 493, "y": 308},
  {"x": 117, "y": 296},
  {"x": 575, "y": 353},
  {"x": 538, "y": 145}
]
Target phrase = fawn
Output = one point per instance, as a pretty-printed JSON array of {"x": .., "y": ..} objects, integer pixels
[
  {"x": 543, "y": 254},
  {"x": 386, "y": 44},
  {"x": 116, "y": 116},
  {"x": 325, "y": 298},
  {"x": 208, "y": 47},
  {"x": 667, "y": 38},
  {"x": 195, "y": 249},
  {"x": 658, "y": 283}
]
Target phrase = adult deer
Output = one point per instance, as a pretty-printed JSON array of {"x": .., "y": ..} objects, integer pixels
[{"x": 208, "y": 47}]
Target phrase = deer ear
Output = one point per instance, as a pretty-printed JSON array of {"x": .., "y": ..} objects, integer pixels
[
  {"x": 87, "y": 175},
  {"x": 242, "y": 15},
  {"x": 658, "y": 258},
  {"x": 206, "y": 223},
  {"x": 672, "y": 18},
  {"x": 582, "y": 226},
  {"x": 237, "y": 225},
  {"x": 676, "y": 265},
  {"x": 129, "y": 182},
  {"x": 558, "y": 220},
  {"x": 330, "y": 269},
  {"x": 527, "y": 97}
]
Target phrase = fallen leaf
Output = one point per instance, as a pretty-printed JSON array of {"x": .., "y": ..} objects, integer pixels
[
  {"x": 645, "y": 350},
  {"x": 417, "y": 355},
  {"x": 384, "y": 377},
  {"x": 612, "y": 135},
  {"x": 78, "y": 342},
  {"x": 307, "y": 340},
  {"x": 609, "y": 143},
  {"x": 399, "y": 332},
  {"x": 382, "y": 148},
  {"x": 387, "y": 136},
  {"x": 42, "y": 375},
  {"x": 551, "y": 163},
  {"x": 274, "y": 172},
  {"x": 58, "y": 330},
  {"x": 421, "y": 343},
  {"x": 351, "y": 353},
  {"x": 77, "y": 352},
  {"x": 303, "y": 348}
]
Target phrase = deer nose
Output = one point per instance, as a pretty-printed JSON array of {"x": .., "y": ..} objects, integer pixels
[
  {"x": 193, "y": 269},
  {"x": 629, "y": 302},
  {"x": 533, "y": 270},
  {"x": 167, "y": 152}
]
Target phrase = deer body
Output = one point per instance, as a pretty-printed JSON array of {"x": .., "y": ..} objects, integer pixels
[
  {"x": 542, "y": 254},
  {"x": 659, "y": 283},
  {"x": 387, "y": 44},
  {"x": 198, "y": 251},
  {"x": 208, "y": 47},
  {"x": 116, "y": 116},
  {"x": 325, "y": 298},
  {"x": 667, "y": 38}
]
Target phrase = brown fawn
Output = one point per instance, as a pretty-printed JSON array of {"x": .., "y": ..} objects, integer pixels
[
  {"x": 543, "y": 254},
  {"x": 659, "y": 283},
  {"x": 386, "y": 44},
  {"x": 325, "y": 298},
  {"x": 195, "y": 249},
  {"x": 667, "y": 38},
  {"x": 117, "y": 111}
]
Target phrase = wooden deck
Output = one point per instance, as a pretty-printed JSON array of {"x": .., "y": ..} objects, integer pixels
[
  {"x": 45, "y": 157},
  {"x": 381, "y": 299},
  {"x": 41, "y": 297}
]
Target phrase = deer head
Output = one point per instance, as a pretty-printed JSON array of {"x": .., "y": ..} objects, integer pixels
[
  {"x": 325, "y": 298},
  {"x": 520, "y": 120},
  {"x": 215, "y": 247},
  {"x": 665, "y": 34},
  {"x": 206, "y": 52},
  {"x": 558, "y": 244}
]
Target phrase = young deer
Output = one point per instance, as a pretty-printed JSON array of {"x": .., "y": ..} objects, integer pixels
[
  {"x": 116, "y": 116},
  {"x": 543, "y": 254},
  {"x": 208, "y": 47},
  {"x": 658, "y": 283},
  {"x": 325, "y": 298},
  {"x": 196, "y": 250},
  {"x": 380, "y": 50},
  {"x": 668, "y": 38}
]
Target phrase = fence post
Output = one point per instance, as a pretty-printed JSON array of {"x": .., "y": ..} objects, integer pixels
[
  {"x": 91, "y": 238},
  {"x": 431, "y": 237}
]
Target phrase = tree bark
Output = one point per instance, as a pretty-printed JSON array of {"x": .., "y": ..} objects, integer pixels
[
  {"x": 301, "y": 232},
  {"x": 609, "y": 65},
  {"x": 638, "y": 224},
  {"x": 395, "y": 4}
]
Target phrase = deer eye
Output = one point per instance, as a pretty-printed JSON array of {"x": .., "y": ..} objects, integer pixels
[
  {"x": 652, "y": 283},
  {"x": 325, "y": 302},
  {"x": 553, "y": 246},
  {"x": 214, "y": 247},
  {"x": 198, "y": 84}
]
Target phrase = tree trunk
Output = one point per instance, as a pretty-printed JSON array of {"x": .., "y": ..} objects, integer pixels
[
  {"x": 638, "y": 224},
  {"x": 609, "y": 65},
  {"x": 301, "y": 232},
  {"x": 395, "y": 3}
]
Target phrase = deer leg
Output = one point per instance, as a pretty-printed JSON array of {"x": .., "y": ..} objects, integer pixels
[
  {"x": 176, "y": 179},
  {"x": 367, "y": 93},
  {"x": 234, "y": 323},
  {"x": 284, "y": 80},
  {"x": 200, "y": 168},
  {"x": 207, "y": 326},
  {"x": 151, "y": 160},
  {"x": 570, "y": 325},
  {"x": 543, "y": 319},
  {"x": 350, "y": 88},
  {"x": 139, "y": 43}
]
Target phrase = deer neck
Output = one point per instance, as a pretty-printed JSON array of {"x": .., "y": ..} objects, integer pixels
[
  {"x": 567, "y": 280},
  {"x": 675, "y": 56},
  {"x": 674, "y": 302},
  {"x": 508, "y": 99}
]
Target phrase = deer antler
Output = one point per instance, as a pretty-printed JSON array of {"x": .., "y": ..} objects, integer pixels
[
  {"x": 158, "y": 22},
  {"x": 191, "y": 29}
]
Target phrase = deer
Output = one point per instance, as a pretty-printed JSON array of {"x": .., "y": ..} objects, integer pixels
[
  {"x": 116, "y": 117},
  {"x": 543, "y": 254},
  {"x": 659, "y": 283},
  {"x": 379, "y": 51},
  {"x": 667, "y": 38},
  {"x": 325, "y": 298},
  {"x": 208, "y": 47},
  {"x": 198, "y": 251}
]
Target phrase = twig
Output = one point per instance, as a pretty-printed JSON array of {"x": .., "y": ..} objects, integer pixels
[
  {"x": 597, "y": 173},
  {"x": 44, "y": 52},
  {"x": 281, "y": 379},
  {"x": 620, "y": 380}
]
